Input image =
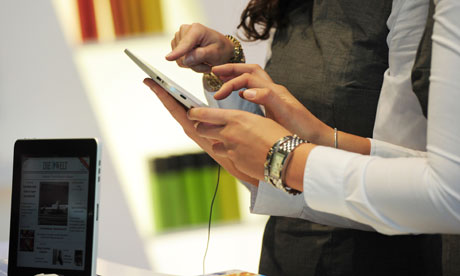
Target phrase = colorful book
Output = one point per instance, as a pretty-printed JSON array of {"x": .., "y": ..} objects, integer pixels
[
  {"x": 152, "y": 16},
  {"x": 134, "y": 16},
  {"x": 87, "y": 20},
  {"x": 117, "y": 17},
  {"x": 125, "y": 15},
  {"x": 228, "y": 197},
  {"x": 104, "y": 20},
  {"x": 209, "y": 172},
  {"x": 194, "y": 188},
  {"x": 169, "y": 201}
]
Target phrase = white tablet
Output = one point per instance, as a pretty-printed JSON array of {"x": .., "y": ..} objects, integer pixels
[
  {"x": 55, "y": 206},
  {"x": 179, "y": 93}
]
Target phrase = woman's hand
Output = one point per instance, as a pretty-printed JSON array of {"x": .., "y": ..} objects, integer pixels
[
  {"x": 244, "y": 138},
  {"x": 279, "y": 103},
  {"x": 199, "y": 48},
  {"x": 179, "y": 113}
]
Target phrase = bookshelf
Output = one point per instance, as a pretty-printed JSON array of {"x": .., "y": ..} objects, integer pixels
[{"x": 136, "y": 128}]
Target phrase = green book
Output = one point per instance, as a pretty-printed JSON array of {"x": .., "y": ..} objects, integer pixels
[
  {"x": 168, "y": 198},
  {"x": 158, "y": 167},
  {"x": 228, "y": 197},
  {"x": 194, "y": 189},
  {"x": 177, "y": 199},
  {"x": 209, "y": 174}
]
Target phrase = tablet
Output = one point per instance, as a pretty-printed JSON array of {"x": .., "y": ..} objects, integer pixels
[
  {"x": 54, "y": 208},
  {"x": 180, "y": 94}
]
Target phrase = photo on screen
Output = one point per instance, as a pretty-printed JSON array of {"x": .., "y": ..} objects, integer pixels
[
  {"x": 57, "y": 257},
  {"x": 78, "y": 257},
  {"x": 53, "y": 203},
  {"x": 26, "y": 240}
]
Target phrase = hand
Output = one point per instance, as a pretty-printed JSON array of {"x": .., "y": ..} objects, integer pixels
[
  {"x": 179, "y": 113},
  {"x": 280, "y": 105},
  {"x": 199, "y": 48},
  {"x": 244, "y": 138}
]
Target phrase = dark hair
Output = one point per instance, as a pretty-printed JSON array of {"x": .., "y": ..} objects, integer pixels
[{"x": 261, "y": 15}]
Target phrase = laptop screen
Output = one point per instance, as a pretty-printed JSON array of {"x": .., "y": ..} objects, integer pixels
[{"x": 52, "y": 212}]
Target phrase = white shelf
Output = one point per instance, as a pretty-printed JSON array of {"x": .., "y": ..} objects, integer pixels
[{"x": 136, "y": 127}]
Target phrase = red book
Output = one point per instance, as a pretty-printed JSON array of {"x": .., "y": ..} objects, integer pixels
[
  {"x": 87, "y": 20},
  {"x": 117, "y": 16}
]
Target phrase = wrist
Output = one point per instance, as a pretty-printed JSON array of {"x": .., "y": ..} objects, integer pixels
[
  {"x": 227, "y": 54},
  {"x": 296, "y": 167},
  {"x": 234, "y": 54},
  {"x": 277, "y": 160},
  {"x": 319, "y": 133}
]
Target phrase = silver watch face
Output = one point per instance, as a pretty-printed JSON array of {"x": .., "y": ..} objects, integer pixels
[{"x": 276, "y": 165}]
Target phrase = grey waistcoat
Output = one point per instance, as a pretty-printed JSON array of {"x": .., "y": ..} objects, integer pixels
[{"x": 332, "y": 58}]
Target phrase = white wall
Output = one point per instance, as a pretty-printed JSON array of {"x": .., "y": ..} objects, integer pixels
[{"x": 41, "y": 96}]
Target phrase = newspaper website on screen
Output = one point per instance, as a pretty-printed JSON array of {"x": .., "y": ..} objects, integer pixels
[{"x": 53, "y": 212}]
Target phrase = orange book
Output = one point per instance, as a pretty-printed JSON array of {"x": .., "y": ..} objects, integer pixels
[
  {"x": 126, "y": 14},
  {"x": 135, "y": 18},
  {"x": 87, "y": 20}
]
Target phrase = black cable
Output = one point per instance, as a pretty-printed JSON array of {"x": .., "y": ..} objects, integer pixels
[{"x": 210, "y": 217}]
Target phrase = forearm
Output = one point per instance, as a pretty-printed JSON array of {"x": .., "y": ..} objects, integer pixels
[{"x": 345, "y": 141}]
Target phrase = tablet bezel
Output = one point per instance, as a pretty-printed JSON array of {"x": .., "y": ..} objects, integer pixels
[
  {"x": 180, "y": 94},
  {"x": 57, "y": 148}
]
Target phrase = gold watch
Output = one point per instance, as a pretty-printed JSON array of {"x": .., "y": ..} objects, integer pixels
[
  {"x": 238, "y": 54},
  {"x": 211, "y": 81}
]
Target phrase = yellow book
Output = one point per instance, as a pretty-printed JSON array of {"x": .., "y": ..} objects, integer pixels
[
  {"x": 152, "y": 16},
  {"x": 135, "y": 16},
  {"x": 228, "y": 197}
]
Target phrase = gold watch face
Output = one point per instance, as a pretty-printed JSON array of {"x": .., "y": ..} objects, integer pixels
[{"x": 213, "y": 82}]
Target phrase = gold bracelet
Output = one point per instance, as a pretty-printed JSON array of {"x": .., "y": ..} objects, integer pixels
[
  {"x": 212, "y": 82},
  {"x": 238, "y": 54}
]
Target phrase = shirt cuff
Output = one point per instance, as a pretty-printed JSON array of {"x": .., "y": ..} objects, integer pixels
[
  {"x": 323, "y": 180},
  {"x": 388, "y": 150},
  {"x": 269, "y": 200}
]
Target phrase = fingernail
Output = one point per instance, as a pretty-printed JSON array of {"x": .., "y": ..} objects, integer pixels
[
  {"x": 168, "y": 55},
  {"x": 249, "y": 94},
  {"x": 189, "y": 60}
]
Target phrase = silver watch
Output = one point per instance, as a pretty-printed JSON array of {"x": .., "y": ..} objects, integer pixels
[{"x": 277, "y": 159}]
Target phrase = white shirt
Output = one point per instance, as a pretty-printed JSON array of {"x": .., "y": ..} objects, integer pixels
[
  {"x": 395, "y": 190},
  {"x": 399, "y": 190}
]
